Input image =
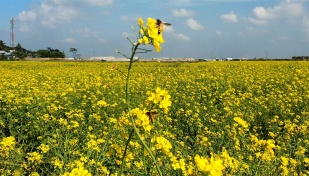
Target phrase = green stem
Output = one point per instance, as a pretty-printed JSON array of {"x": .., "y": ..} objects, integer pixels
[
  {"x": 128, "y": 76},
  {"x": 145, "y": 145},
  {"x": 131, "y": 117},
  {"x": 125, "y": 150}
]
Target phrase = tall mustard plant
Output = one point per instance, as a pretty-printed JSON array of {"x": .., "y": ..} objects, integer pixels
[{"x": 149, "y": 34}]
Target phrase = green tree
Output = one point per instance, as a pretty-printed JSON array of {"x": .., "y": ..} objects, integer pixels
[
  {"x": 20, "y": 52},
  {"x": 74, "y": 51},
  {"x": 2, "y": 45},
  {"x": 50, "y": 53}
]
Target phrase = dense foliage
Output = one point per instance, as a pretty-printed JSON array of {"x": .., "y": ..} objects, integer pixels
[
  {"x": 21, "y": 53},
  {"x": 50, "y": 53}
]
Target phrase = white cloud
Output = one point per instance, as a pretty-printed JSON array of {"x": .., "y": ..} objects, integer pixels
[
  {"x": 56, "y": 13},
  {"x": 182, "y": 13},
  {"x": 170, "y": 30},
  {"x": 269, "y": 13},
  {"x": 50, "y": 13},
  {"x": 285, "y": 9},
  {"x": 24, "y": 27},
  {"x": 230, "y": 17},
  {"x": 27, "y": 16},
  {"x": 219, "y": 33},
  {"x": 89, "y": 34},
  {"x": 69, "y": 40},
  {"x": 193, "y": 24},
  {"x": 84, "y": 32},
  {"x": 99, "y": 2},
  {"x": 182, "y": 37},
  {"x": 257, "y": 21},
  {"x": 294, "y": 9}
]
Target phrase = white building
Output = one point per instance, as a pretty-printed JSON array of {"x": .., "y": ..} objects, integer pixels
[{"x": 7, "y": 54}]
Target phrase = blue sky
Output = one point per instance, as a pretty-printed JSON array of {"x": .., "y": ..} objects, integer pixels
[{"x": 200, "y": 28}]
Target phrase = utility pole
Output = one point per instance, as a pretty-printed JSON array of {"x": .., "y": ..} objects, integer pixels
[
  {"x": 12, "y": 36},
  {"x": 266, "y": 55}
]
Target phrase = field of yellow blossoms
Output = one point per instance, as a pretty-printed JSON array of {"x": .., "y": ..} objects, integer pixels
[{"x": 207, "y": 118}]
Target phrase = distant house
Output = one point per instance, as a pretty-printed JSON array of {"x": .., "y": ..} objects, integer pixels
[{"x": 8, "y": 55}]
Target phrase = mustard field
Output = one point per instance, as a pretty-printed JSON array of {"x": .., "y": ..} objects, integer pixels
[{"x": 207, "y": 118}]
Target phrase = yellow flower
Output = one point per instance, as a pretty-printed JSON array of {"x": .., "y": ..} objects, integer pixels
[
  {"x": 162, "y": 143},
  {"x": 300, "y": 151},
  {"x": 92, "y": 144},
  {"x": 152, "y": 24},
  {"x": 241, "y": 122},
  {"x": 8, "y": 142},
  {"x": 155, "y": 98},
  {"x": 34, "y": 174},
  {"x": 80, "y": 171},
  {"x": 142, "y": 119},
  {"x": 141, "y": 31},
  {"x": 143, "y": 40},
  {"x": 34, "y": 157},
  {"x": 102, "y": 103},
  {"x": 159, "y": 38},
  {"x": 44, "y": 148},
  {"x": 63, "y": 121},
  {"x": 74, "y": 124},
  {"x": 150, "y": 33},
  {"x": 214, "y": 166},
  {"x": 229, "y": 161},
  {"x": 161, "y": 97},
  {"x": 285, "y": 161},
  {"x": 156, "y": 45},
  {"x": 139, "y": 165},
  {"x": 57, "y": 163},
  {"x": 140, "y": 22},
  {"x": 306, "y": 162}
]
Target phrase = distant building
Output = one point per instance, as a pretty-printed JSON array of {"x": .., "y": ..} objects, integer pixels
[
  {"x": 300, "y": 58},
  {"x": 8, "y": 55}
]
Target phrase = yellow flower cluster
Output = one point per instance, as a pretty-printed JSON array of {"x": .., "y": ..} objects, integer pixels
[
  {"x": 44, "y": 148},
  {"x": 265, "y": 148},
  {"x": 213, "y": 166},
  {"x": 161, "y": 143},
  {"x": 7, "y": 144},
  {"x": 150, "y": 33},
  {"x": 80, "y": 171},
  {"x": 241, "y": 122},
  {"x": 142, "y": 119},
  {"x": 94, "y": 144},
  {"x": 160, "y": 97},
  {"x": 34, "y": 157},
  {"x": 57, "y": 117}
]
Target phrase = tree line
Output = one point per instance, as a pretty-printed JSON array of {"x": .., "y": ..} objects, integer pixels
[{"x": 21, "y": 53}]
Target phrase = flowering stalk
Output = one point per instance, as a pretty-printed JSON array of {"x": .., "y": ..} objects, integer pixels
[{"x": 147, "y": 34}]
